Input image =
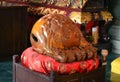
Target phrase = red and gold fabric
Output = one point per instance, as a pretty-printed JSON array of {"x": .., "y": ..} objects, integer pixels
[{"x": 45, "y": 64}]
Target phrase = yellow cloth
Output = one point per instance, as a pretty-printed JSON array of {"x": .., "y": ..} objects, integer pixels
[
  {"x": 115, "y": 70},
  {"x": 115, "y": 66}
]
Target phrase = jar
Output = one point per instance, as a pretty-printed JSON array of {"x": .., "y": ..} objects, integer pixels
[{"x": 114, "y": 31}]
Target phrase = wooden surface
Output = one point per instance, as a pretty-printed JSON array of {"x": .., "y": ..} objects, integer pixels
[
  {"x": 28, "y": 75},
  {"x": 13, "y": 29}
]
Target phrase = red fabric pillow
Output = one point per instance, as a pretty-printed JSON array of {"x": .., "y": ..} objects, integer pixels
[{"x": 44, "y": 64}]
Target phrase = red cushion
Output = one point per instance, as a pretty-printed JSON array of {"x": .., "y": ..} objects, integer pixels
[{"x": 44, "y": 64}]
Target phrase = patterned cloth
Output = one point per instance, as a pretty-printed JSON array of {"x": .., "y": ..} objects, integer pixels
[{"x": 45, "y": 64}]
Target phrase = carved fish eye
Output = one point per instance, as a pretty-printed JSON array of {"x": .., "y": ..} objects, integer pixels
[{"x": 34, "y": 37}]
